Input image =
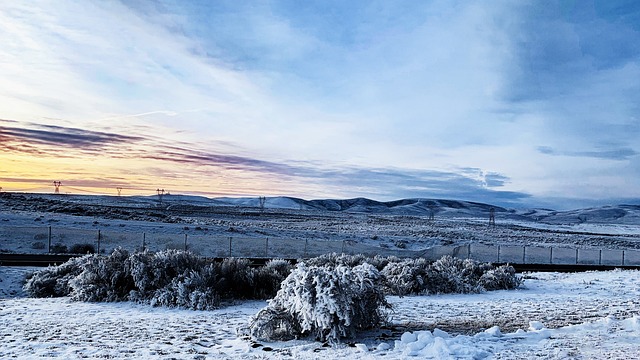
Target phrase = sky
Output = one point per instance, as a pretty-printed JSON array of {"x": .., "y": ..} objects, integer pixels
[{"x": 519, "y": 104}]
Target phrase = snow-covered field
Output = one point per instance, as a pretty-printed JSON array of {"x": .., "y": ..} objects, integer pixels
[
  {"x": 25, "y": 218},
  {"x": 593, "y": 315}
]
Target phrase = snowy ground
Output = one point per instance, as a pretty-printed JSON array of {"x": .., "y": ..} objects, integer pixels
[
  {"x": 25, "y": 219},
  {"x": 594, "y": 315}
]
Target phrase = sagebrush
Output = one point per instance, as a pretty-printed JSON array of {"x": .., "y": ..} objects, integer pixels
[
  {"x": 166, "y": 278},
  {"x": 179, "y": 278},
  {"x": 329, "y": 303}
]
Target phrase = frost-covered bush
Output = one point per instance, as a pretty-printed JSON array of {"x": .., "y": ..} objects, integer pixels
[
  {"x": 53, "y": 281},
  {"x": 334, "y": 259},
  {"x": 380, "y": 262},
  {"x": 192, "y": 290},
  {"x": 446, "y": 275},
  {"x": 329, "y": 303},
  {"x": 154, "y": 270},
  {"x": 166, "y": 278},
  {"x": 405, "y": 277},
  {"x": 274, "y": 324},
  {"x": 235, "y": 278},
  {"x": 453, "y": 275},
  {"x": 104, "y": 278},
  {"x": 268, "y": 278},
  {"x": 501, "y": 278}
]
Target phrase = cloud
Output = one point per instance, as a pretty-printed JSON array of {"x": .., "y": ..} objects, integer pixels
[
  {"x": 614, "y": 154},
  {"x": 388, "y": 184},
  {"x": 59, "y": 136}
]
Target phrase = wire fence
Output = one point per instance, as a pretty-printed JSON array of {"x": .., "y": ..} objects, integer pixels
[
  {"x": 49, "y": 239},
  {"x": 42, "y": 240}
]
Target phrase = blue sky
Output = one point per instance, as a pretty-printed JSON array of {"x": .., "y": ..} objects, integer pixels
[{"x": 513, "y": 103}]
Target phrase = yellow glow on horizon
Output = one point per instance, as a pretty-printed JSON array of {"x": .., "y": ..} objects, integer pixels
[{"x": 97, "y": 174}]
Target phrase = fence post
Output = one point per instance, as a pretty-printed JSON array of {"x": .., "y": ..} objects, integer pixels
[
  {"x": 230, "y": 246},
  {"x": 600, "y": 258},
  {"x": 185, "y": 242},
  {"x": 144, "y": 242},
  {"x": 49, "y": 247},
  {"x": 622, "y": 258},
  {"x": 469, "y": 251},
  {"x": 498, "y": 254},
  {"x": 98, "y": 242},
  {"x": 576, "y": 256},
  {"x": 266, "y": 247},
  {"x": 551, "y": 256}
]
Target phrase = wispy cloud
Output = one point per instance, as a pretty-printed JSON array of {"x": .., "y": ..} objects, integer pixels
[
  {"x": 614, "y": 154},
  {"x": 382, "y": 183},
  {"x": 63, "y": 137}
]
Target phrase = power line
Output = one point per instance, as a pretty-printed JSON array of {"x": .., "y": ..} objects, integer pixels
[{"x": 82, "y": 190}]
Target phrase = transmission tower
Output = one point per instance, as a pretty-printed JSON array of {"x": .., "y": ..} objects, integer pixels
[
  {"x": 262, "y": 200},
  {"x": 492, "y": 217},
  {"x": 160, "y": 194},
  {"x": 57, "y": 184},
  {"x": 119, "y": 190}
]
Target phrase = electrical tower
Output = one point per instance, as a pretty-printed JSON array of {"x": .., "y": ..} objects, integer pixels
[
  {"x": 160, "y": 194},
  {"x": 262, "y": 200},
  {"x": 57, "y": 184},
  {"x": 492, "y": 217},
  {"x": 432, "y": 212},
  {"x": 119, "y": 190}
]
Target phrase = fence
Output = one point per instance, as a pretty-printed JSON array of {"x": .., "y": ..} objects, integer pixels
[
  {"x": 51, "y": 239},
  {"x": 516, "y": 254}
]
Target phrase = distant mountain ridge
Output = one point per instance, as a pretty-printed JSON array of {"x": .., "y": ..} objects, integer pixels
[
  {"x": 440, "y": 208},
  {"x": 617, "y": 214}
]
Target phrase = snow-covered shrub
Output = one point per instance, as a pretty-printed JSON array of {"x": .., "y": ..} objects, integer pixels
[
  {"x": 193, "y": 290},
  {"x": 104, "y": 278},
  {"x": 380, "y": 262},
  {"x": 335, "y": 259},
  {"x": 267, "y": 279},
  {"x": 501, "y": 278},
  {"x": 274, "y": 324},
  {"x": 235, "y": 278},
  {"x": 453, "y": 275},
  {"x": 328, "y": 302},
  {"x": 53, "y": 281},
  {"x": 152, "y": 271},
  {"x": 405, "y": 277}
]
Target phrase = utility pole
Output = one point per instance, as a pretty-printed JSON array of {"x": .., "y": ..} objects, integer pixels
[
  {"x": 119, "y": 190},
  {"x": 160, "y": 194},
  {"x": 492, "y": 217},
  {"x": 262, "y": 200},
  {"x": 57, "y": 184}
]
